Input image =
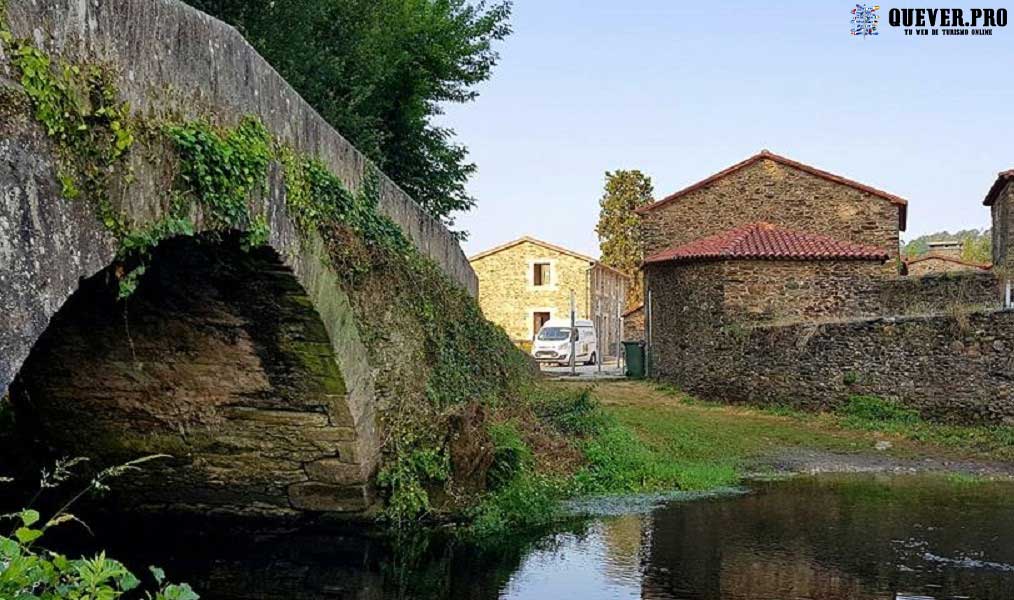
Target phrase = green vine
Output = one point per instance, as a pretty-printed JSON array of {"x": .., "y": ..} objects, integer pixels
[
  {"x": 79, "y": 106},
  {"x": 318, "y": 201},
  {"x": 220, "y": 168}
]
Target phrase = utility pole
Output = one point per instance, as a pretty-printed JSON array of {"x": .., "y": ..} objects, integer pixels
[
  {"x": 619, "y": 336},
  {"x": 573, "y": 334}
]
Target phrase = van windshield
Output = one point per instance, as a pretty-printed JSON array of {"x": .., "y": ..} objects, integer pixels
[{"x": 554, "y": 334}]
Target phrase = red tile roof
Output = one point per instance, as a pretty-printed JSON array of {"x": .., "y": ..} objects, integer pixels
[
  {"x": 764, "y": 241},
  {"x": 1001, "y": 179},
  {"x": 765, "y": 154}
]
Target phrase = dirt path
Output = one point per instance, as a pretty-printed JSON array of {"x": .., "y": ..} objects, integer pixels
[{"x": 763, "y": 442}]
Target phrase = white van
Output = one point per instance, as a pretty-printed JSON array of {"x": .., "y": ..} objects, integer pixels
[{"x": 552, "y": 343}]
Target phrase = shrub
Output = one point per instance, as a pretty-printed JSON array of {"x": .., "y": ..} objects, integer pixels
[
  {"x": 511, "y": 455},
  {"x": 570, "y": 413},
  {"x": 528, "y": 500},
  {"x": 27, "y": 572}
]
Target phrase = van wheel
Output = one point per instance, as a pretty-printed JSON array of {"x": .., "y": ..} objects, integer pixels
[{"x": 591, "y": 359}]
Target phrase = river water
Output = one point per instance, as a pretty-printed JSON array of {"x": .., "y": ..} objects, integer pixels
[{"x": 831, "y": 537}]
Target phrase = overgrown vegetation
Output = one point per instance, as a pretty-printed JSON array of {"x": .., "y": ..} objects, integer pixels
[
  {"x": 611, "y": 455},
  {"x": 28, "y": 571},
  {"x": 93, "y": 130}
]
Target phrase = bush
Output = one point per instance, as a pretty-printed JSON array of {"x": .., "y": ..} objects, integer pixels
[
  {"x": 528, "y": 500},
  {"x": 570, "y": 413},
  {"x": 28, "y": 573},
  {"x": 511, "y": 455}
]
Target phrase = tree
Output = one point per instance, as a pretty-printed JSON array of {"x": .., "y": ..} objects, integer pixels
[
  {"x": 619, "y": 227},
  {"x": 379, "y": 71},
  {"x": 978, "y": 249}
]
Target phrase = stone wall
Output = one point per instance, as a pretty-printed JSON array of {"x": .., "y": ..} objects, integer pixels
[
  {"x": 507, "y": 293},
  {"x": 779, "y": 194},
  {"x": 951, "y": 368},
  {"x": 770, "y": 290},
  {"x": 935, "y": 264},
  {"x": 798, "y": 332}
]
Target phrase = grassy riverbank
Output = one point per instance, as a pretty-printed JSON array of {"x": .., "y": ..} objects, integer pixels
[{"x": 632, "y": 437}]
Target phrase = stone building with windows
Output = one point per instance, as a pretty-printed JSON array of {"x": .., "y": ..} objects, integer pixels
[{"x": 526, "y": 282}]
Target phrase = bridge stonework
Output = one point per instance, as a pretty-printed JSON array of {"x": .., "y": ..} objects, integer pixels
[{"x": 284, "y": 415}]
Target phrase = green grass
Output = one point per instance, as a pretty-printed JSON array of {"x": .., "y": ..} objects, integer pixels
[{"x": 870, "y": 413}]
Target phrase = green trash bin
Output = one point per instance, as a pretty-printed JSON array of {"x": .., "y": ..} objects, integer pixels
[{"x": 633, "y": 353}]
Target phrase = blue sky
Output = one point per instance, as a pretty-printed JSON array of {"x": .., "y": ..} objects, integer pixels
[{"x": 681, "y": 90}]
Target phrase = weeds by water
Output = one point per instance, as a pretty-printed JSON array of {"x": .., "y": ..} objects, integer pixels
[
  {"x": 614, "y": 459},
  {"x": 29, "y": 571}
]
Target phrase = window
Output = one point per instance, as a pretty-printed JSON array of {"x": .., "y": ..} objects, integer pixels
[
  {"x": 540, "y": 274},
  {"x": 538, "y": 320}
]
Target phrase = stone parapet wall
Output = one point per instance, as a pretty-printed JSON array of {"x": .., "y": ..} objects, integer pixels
[
  {"x": 177, "y": 60},
  {"x": 954, "y": 368}
]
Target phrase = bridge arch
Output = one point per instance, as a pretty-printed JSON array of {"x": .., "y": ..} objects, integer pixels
[
  {"x": 55, "y": 255},
  {"x": 220, "y": 360}
]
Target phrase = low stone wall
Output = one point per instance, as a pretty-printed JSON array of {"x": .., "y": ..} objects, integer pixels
[
  {"x": 954, "y": 368},
  {"x": 937, "y": 292}
]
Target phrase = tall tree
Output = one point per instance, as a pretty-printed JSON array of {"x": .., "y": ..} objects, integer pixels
[
  {"x": 619, "y": 228},
  {"x": 379, "y": 72}
]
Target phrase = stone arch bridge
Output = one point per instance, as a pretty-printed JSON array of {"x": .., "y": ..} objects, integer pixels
[{"x": 247, "y": 366}]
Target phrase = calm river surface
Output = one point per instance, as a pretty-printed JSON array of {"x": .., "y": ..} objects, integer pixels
[{"x": 847, "y": 537}]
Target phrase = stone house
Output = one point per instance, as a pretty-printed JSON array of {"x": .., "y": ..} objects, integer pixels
[
  {"x": 776, "y": 239},
  {"x": 769, "y": 313},
  {"x": 526, "y": 282}
]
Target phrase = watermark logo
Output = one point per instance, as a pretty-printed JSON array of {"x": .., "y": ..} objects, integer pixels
[
  {"x": 947, "y": 21},
  {"x": 865, "y": 19}
]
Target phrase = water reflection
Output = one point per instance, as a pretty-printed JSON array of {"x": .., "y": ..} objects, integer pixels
[{"x": 828, "y": 538}]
